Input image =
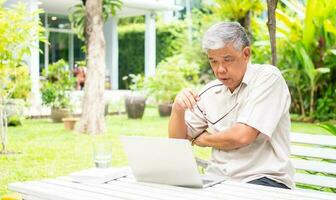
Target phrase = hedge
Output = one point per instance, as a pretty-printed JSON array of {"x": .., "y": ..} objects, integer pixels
[{"x": 169, "y": 41}]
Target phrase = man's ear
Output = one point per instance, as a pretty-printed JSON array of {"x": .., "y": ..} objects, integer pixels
[{"x": 247, "y": 52}]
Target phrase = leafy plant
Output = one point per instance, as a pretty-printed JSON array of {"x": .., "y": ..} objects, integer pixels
[
  {"x": 18, "y": 34},
  {"x": 312, "y": 73},
  {"x": 326, "y": 104},
  {"x": 57, "y": 85},
  {"x": 331, "y": 128},
  {"x": 134, "y": 82},
  {"x": 237, "y": 10},
  {"x": 242, "y": 11},
  {"x": 23, "y": 83},
  {"x": 17, "y": 40},
  {"x": 169, "y": 41},
  {"x": 15, "y": 120},
  {"x": 77, "y": 15},
  {"x": 81, "y": 63},
  {"x": 172, "y": 75},
  {"x": 306, "y": 34}
]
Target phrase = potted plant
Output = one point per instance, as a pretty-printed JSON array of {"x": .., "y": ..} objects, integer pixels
[
  {"x": 135, "y": 102},
  {"x": 171, "y": 76},
  {"x": 69, "y": 123},
  {"x": 56, "y": 90}
]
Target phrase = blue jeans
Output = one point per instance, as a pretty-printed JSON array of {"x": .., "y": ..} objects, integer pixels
[{"x": 268, "y": 182}]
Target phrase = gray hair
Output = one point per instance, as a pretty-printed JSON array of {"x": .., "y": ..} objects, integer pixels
[{"x": 223, "y": 33}]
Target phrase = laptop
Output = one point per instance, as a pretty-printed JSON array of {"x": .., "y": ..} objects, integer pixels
[{"x": 165, "y": 161}]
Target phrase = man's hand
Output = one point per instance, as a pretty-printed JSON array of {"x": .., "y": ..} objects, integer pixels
[{"x": 184, "y": 100}]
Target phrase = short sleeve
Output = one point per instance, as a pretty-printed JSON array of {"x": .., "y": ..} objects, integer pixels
[
  {"x": 195, "y": 122},
  {"x": 265, "y": 104}
]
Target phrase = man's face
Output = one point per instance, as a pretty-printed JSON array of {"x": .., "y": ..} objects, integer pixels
[{"x": 229, "y": 65}]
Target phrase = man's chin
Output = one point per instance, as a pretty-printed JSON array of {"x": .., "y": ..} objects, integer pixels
[{"x": 229, "y": 84}]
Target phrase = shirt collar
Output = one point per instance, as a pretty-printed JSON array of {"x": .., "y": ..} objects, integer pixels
[{"x": 248, "y": 74}]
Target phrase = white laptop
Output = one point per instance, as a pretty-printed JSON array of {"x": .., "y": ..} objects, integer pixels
[{"x": 165, "y": 161}]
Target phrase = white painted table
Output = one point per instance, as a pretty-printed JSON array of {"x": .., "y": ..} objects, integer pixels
[{"x": 127, "y": 188}]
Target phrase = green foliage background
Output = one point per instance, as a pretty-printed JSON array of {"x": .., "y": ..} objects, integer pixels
[
  {"x": 57, "y": 85},
  {"x": 169, "y": 41}
]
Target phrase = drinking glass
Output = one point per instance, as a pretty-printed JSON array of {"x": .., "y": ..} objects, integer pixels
[{"x": 102, "y": 153}]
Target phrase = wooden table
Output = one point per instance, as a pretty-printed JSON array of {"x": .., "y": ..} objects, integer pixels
[{"x": 127, "y": 188}]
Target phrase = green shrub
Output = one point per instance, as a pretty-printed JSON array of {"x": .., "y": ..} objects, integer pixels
[
  {"x": 134, "y": 82},
  {"x": 55, "y": 89},
  {"x": 17, "y": 41},
  {"x": 331, "y": 128},
  {"x": 14, "y": 120},
  {"x": 169, "y": 40},
  {"x": 326, "y": 104},
  {"x": 172, "y": 75},
  {"x": 23, "y": 83}
]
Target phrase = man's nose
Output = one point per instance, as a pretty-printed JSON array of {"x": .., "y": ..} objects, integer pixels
[{"x": 222, "y": 68}]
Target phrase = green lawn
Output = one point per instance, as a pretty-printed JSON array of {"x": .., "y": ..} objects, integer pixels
[
  {"x": 47, "y": 150},
  {"x": 307, "y": 128}
]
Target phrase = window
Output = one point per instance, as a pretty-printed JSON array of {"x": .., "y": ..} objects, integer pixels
[{"x": 63, "y": 42}]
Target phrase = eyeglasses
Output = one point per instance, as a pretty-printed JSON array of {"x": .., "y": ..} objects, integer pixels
[{"x": 223, "y": 116}]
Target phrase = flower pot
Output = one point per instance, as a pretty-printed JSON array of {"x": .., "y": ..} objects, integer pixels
[
  {"x": 165, "y": 109},
  {"x": 69, "y": 123},
  {"x": 135, "y": 105},
  {"x": 57, "y": 114}
]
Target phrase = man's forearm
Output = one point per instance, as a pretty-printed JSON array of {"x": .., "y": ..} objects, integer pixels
[
  {"x": 223, "y": 141},
  {"x": 235, "y": 137},
  {"x": 177, "y": 127}
]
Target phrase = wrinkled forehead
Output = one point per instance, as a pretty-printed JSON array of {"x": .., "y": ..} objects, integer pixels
[{"x": 226, "y": 51}]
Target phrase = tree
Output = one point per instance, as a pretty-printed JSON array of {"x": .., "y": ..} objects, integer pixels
[
  {"x": 90, "y": 24},
  {"x": 271, "y": 24},
  {"x": 240, "y": 11},
  {"x": 308, "y": 34},
  {"x": 19, "y": 30}
]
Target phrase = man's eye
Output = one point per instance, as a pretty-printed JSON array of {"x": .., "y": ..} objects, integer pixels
[
  {"x": 228, "y": 59},
  {"x": 214, "y": 61}
]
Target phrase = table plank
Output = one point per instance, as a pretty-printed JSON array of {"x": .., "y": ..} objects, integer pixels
[
  {"x": 259, "y": 194},
  {"x": 54, "y": 192},
  {"x": 165, "y": 190},
  {"x": 112, "y": 189},
  {"x": 64, "y": 188},
  {"x": 203, "y": 193},
  {"x": 188, "y": 193},
  {"x": 310, "y": 194}
]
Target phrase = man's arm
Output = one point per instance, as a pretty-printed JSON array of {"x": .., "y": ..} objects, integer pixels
[
  {"x": 177, "y": 127},
  {"x": 186, "y": 99},
  {"x": 237, "y": 136}
]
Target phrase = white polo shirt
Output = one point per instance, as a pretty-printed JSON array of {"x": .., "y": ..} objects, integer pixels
[{"x": 261, "y": 101}]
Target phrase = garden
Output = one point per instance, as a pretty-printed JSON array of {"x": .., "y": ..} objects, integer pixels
[{"x": 38, "y": 147}]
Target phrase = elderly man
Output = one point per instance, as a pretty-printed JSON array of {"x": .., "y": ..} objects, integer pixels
[{"x": 243, "y": 114}]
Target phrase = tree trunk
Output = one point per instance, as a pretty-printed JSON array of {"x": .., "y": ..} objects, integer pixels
[
  {"x": 312, "y": 102},
  {"x": 246, "y": 23},
  {"x": 3, "y": 121},
  {"x": 92, "y": 120},
  {"x": 271, "y": 24},
  {"x": 303, "y": 113}
]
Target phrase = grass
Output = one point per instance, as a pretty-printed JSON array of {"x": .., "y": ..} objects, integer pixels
[
  {"x": 47, "y": 150},
  {"x": 308, "y": 128}
]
